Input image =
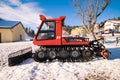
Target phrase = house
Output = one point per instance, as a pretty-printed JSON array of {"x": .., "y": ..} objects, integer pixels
[
  {"x": 112, "y": 25},
  {"x": 64, "y": 33},
  {"x": 96, "y": 28},
  {"x": 77, "y": 31},
  {"x": 11, "y": 31}
]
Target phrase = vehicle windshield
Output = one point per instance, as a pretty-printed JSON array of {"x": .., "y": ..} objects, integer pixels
[
  {"x": 48, "y": 26},
  {"x": 47, "y": 31}
]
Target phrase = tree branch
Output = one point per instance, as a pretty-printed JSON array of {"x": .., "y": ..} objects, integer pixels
[{"x": 103, "y": 7}]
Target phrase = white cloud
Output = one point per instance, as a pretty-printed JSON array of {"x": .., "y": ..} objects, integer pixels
[
  {"x": 27, "y": 13},
  {"x": 15, "y": 2}
]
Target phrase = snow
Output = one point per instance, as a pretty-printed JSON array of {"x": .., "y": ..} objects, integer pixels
[
  {"x": 9, "y": 48},
  {"x": 110, "y": 43},
  {"x": 31, "y": 70},
  {"x": 92, "y": 70},
  {"x": 28, "y": 38}
]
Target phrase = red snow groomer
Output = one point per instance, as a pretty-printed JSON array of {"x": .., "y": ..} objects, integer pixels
[{"x": 52, "y": 44}]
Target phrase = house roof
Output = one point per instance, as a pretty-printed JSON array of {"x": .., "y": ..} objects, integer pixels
[
  {"x": 114, "y": 21},
  {"x": 8, "y": 24}
]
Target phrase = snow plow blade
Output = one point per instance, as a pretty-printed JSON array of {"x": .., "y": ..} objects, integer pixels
[{"x": 19, "y": 56}]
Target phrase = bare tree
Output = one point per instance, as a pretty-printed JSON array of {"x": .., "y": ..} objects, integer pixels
[{"x": 89, "y": 11}]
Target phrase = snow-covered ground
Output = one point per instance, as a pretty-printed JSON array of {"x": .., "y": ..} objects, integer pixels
[
  {"x": 93, "y": 70},
  {"x": 31, "y": 70},
  {"x": 9, "y": 48},
  {"x": 110, "y": 43},
  {"x": 28, "y": 38}
]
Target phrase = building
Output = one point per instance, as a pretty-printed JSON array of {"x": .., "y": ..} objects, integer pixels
[
  {"x": 11, "y": 31},
  {"x": 65, "y": 33},
  {"x": 96, "y": 28},
  {"x": 77, "y": 31},
  {"x": 112, "y": 25}
]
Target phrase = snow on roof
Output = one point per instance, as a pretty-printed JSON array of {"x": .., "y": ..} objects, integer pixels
[
  {"x": 7, "y": 24},
  {"x": 114, "y": 21}
]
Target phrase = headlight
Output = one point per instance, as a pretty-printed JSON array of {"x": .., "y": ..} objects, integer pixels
[{"x": 95, "y": 42}]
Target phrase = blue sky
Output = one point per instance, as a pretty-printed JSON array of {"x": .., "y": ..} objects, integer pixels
[{"x": 27, "y": 11}]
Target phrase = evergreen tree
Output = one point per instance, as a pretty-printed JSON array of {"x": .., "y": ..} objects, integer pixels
[{"x": 118, "y": 18}]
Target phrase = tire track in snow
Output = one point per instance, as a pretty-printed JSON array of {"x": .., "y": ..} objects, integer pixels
[{"x": 33, "y": 72}]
